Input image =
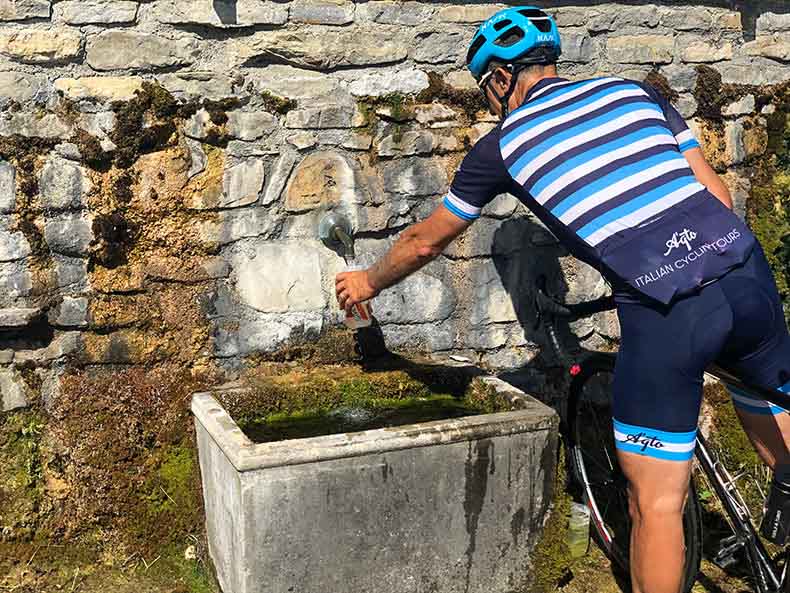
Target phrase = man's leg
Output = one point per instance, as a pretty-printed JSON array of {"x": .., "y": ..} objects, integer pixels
[
  {"x": 767, "y": 426},
  {"x": 657, "y": 494}
]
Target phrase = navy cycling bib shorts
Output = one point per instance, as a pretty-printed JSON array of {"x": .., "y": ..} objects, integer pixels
[{"x": 600, "y": 163}]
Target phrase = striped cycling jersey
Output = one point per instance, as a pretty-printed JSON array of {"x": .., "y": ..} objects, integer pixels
[
  {"x": 595, "y": 161},
  {"x": 599, "y": 155}
]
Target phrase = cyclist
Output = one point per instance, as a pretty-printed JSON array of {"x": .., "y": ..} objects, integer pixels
[{"x": 611, "y": 168}]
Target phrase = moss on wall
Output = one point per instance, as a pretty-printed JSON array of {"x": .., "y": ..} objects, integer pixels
[{"x": 552, "y": 558}]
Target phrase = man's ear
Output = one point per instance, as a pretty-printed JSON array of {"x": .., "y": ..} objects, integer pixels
[{"x": 501, "y": 77}]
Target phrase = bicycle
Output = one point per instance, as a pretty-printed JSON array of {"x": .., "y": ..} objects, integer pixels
[{"x": 587, "y": 431}]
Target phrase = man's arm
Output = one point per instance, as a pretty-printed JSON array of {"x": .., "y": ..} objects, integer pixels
[
  {"x": 707, "y": 176},
  {"x": 417, "y": 245}
]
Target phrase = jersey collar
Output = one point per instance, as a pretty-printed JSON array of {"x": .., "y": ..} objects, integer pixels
[{"x": 543, "y": 82}]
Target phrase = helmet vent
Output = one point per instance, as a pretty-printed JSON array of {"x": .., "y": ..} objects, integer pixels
[
  {"x": 502, "y": 24},
  {"x": 474, "y": 48},
  {"x": 540, "y": 19},
  {"x": 511, "y": 37}
]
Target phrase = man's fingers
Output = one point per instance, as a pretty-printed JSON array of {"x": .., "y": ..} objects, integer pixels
[
  {"x": 340, "y": 277},
  {"x": 342, "y": 297}
]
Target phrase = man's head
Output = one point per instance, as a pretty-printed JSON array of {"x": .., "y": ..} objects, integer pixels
[{"x": 510, "y": 52}]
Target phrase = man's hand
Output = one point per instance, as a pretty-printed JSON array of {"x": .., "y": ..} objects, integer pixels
[
  {"x": 352, "y": 288},
  {"x": 416, "y": 246}
]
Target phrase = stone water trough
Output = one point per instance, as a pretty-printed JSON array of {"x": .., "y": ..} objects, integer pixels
[{"x": 444, "y": 506}]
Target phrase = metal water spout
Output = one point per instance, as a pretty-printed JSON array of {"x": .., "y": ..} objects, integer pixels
[{"x": 336, "y": 233}]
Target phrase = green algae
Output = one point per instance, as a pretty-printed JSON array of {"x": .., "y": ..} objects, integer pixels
[
  {"x": 551, "y": 558},
  {"x": 277, "y": 104},
  {"x": 21, "y": 474}
]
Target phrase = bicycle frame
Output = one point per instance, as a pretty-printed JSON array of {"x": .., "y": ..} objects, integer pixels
[{"x": 765, "y": 572}]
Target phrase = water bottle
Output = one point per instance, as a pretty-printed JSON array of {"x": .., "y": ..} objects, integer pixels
[
  {"x": 360, "y": 314},
  {"x": 776, "y": 518},
  {"x": 579, "y": 530}
]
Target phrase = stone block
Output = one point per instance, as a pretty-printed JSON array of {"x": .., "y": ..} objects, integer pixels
[
  {"x": 122, "y": 50},
  {"x": 419, "y": 337},
  {"x": 754, "y": 72},
  {"x": 242, "y": 184},
  {"x": 49, "y": 46},
  {"x": 576, "y": 47},
  {"x": 22, "y": 87},
  {"x": 322, "y": 12},
  {"x": 322, "y": 179},
  {"x": 323, "y": 49},
  {"x": 434, "y": 112},
  {"x": 421, "y": 298},
  {"x": 100, "y": 88},
  {"x": 296, "y": 83},
  {"x": 197, "y": 157},
  {"x": 413, "y": 177},
  {"x": 63, "y": 185},
  {"x": 197, "y": 84},
  {"x": 18, "y": 317},
  {"x": 20, "y": 10},
  {"x": 13, "y": 245},
  {"x": 250, "y": 125},
  {"x": 694, "y": 18},
  {"x": 302, "y": 140},
  {"x": 265, "y": 333},
  {"x": 68, "y": 234},
  {"x": 776, "y": 46},
  {"x": 460, "y": 79},
  {"x": 616, "y": 20},
  {"x": 503, "y": 206},
  {"x": 379, "y": 84},
  {"x": 326, "y": 116},
  {"x": 221, "y": 13},
  {"x": 265, "y": 284},
  {"x": 680, "y": 77},
  {"x": 95, "y": 12},
  {"x": 15, "y": 280},
  {"x": 697, "y": 51},
  {"x": 235, "y": 225},
  {"x": 280, "y": 172},
  {"x": 407, "y": 144},
  {"x": 30, "y": 124},
  {"x": 734, "y": 149},
  {"x": 71, "y": 273},
  {"x": 467, "y": 14},
  {"x": 72, "y": 312},
  {"x": 771, "y": 22},
  {"x": 641, "y": 49},
  {"x": 686, "y": 105},
  {"x": 436, "y": 48},
  {"x": 743, "y": 106},
  {"x": 13, "y": 390},
  {"x": 7, "y": 188},
  {"x": 397, "y": 13}
]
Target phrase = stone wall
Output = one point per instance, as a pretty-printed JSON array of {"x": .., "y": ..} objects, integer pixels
[{"x": 164, "y": 164}]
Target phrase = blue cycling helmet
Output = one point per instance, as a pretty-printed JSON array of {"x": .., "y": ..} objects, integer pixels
[{"x": 524, "y": 35}]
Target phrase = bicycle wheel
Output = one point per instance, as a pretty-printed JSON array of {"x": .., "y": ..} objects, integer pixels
[{"x": 596, "y": 472}]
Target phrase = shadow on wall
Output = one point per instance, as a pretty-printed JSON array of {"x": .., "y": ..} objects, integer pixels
[
  {"x": 519, "y": 271},
  {"x": 227, "y": 11}
]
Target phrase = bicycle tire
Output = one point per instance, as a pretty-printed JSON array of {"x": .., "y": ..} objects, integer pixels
[{"x": 606, "y": 524}]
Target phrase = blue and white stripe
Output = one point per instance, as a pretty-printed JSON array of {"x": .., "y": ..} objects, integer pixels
[
  {"x": 460, "y": 208},
  {"x": 599, "y": 155},
  {"x": 747, "y": 403},
  {"x": 660, "y": 444},
  {"x": 686, "y": 141}
]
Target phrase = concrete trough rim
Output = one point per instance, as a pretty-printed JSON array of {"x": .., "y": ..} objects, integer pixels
[{"x": 245, "y": 455}]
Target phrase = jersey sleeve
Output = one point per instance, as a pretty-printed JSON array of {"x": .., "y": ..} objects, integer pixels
[
  {"x": 683, "y": 135},
  {"x": 481, "y": 177}
]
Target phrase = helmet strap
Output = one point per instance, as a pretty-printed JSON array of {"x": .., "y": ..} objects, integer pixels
[{"x": 504, "y": 100}]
